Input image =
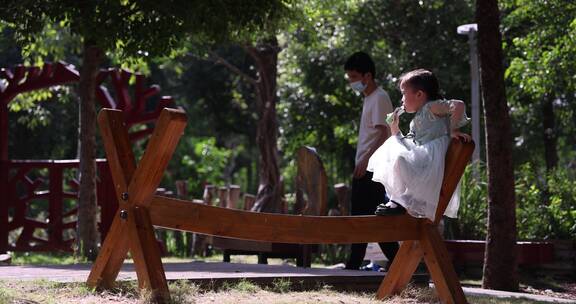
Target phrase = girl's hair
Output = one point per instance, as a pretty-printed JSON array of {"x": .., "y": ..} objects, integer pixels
[{"x": 423, "y": 80}]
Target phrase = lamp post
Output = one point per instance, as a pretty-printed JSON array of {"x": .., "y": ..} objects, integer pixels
[{"x": 471, "y": 30}]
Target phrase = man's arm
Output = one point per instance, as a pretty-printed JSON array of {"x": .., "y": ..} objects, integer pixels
[{"x": 383, "y": 134}]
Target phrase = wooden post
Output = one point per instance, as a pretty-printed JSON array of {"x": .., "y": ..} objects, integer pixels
[
  {"x": 4, "y": 229},
  {"x": 106, "y": 198},
  {"x": 4, "y": 201},
  {"x": 223, "y": 197},
  {"x": 233, "y": 197},
  {"x": 182, "y": 193},
  {"x": 343, "y": 197},
  {"x": 182, "y": 189},
  {"x": 208, "y": 195},
  {"x": 55, "y": 175},
  {"x": 249, "y": 200},
  {"x": 3, "y": 130}
]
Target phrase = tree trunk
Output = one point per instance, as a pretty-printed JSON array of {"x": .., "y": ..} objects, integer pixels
[
  {"x": 549, "y": 133},
  {"x": 500, "y": 256},
  {"x": 4, "y": 229},
  {"x": 265, "y": 55},
  {"x": 87, "y": 233}
]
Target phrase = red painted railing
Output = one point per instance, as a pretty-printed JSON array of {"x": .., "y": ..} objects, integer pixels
[
  {"x": 40, "y": 199},
  {"x": 54, "y": 228}
]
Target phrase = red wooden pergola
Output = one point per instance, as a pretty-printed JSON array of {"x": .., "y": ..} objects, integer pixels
[{"x": 13, "y": 173}]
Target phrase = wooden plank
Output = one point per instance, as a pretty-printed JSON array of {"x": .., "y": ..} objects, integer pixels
[
  {"x": 146, "y": 254},
  {"x": 414, "y": 258},
  {"x": 119, "y": 153},
  {"x": 55, "y": 201},
  {"x": 440, "y": 267},
  {"x": 242, "y": 245},
  {"x": 457, "y": 157},
  {"x": 111, "y": 256},
  {"x": 268, "y": 227},
  {"x": 122, "y": 166},
  {"x": 401, "y": 270},
  {"x": 161, "y": 146}
]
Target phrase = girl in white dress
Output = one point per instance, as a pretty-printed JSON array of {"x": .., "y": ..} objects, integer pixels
[{"x": 411, "y": 167}]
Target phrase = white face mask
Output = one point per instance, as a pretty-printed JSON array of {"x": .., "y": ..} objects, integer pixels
[{"x": 358, "y": 86}]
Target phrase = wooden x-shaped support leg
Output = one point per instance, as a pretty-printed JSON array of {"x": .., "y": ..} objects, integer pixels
[
  {"x": 430, "y": 247},
  {"x": 132, "y": 230}
]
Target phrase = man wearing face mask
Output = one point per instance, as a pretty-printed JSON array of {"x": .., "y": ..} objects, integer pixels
[{"x": 373, "y": 131}]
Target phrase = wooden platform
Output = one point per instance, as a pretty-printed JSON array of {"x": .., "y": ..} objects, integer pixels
[{"x": 215, "y": 273}]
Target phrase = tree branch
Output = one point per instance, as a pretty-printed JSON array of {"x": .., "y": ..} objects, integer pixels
[{"x": 219, "y": 60}]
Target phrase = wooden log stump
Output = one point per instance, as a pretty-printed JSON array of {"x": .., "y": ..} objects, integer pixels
[
  {"x": 233, "y": 196},
  {"x": 209, "y": 194},
  {"x": 249, "y": 200}
]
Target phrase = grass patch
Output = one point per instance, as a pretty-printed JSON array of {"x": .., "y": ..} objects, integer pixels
[
  {"x": 246, "y": 286},
  {"x": 241, "y": 292},
  {"x": 281, "y": 285},
  {"x": 489, "y": 300},
  {"x": 45, "y": 258},
  {"x": 44, "y": 291},
  {"x": 182, "y": 291},
  {"x": 243, "y": 286},
  {"x": 6, "y": 296}
]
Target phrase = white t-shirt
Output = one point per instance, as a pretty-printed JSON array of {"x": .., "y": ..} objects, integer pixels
[{"x": 374, "y": 110}]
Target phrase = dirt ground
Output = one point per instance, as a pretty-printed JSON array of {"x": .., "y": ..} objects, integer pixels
[
  {"x": 563, "y": 291},
  {"x": 242, "y": 293}
]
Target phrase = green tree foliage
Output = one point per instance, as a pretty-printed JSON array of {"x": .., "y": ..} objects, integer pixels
[
  {"x": 132, "y": 27},
  {"x": 318, "y": 109},
  {"x": 154, "y": 27},
  {"x": 541, "y": 48},
  {"x": 51, "y": 124},
  {"x": 203, "y": 164},
  {"x": 220, "y": 105},
  {"x": 48, "y": 117},
  {"x": 536, "y": 221}
]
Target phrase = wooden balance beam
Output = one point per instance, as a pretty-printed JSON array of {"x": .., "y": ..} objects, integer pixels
[{"x": 140, "y": 210}]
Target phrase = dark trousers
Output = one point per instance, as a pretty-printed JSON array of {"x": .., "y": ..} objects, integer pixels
[{"x": 366, "y": 196}]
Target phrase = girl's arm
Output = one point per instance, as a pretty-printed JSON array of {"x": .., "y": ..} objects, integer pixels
[
  {"x": 394, "y": 123},
  {"x": 457, "y": 111},
  {"x": 395, "y": 132}
]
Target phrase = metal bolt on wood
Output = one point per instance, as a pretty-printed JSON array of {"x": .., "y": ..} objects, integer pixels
[{"x": 123, "y": 214}]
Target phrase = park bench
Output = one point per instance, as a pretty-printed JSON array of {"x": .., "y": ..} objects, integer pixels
[{"x": 140, "y": 210}]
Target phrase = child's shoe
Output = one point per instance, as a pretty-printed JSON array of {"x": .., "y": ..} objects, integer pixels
[{"x": 390, "y": 208}]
